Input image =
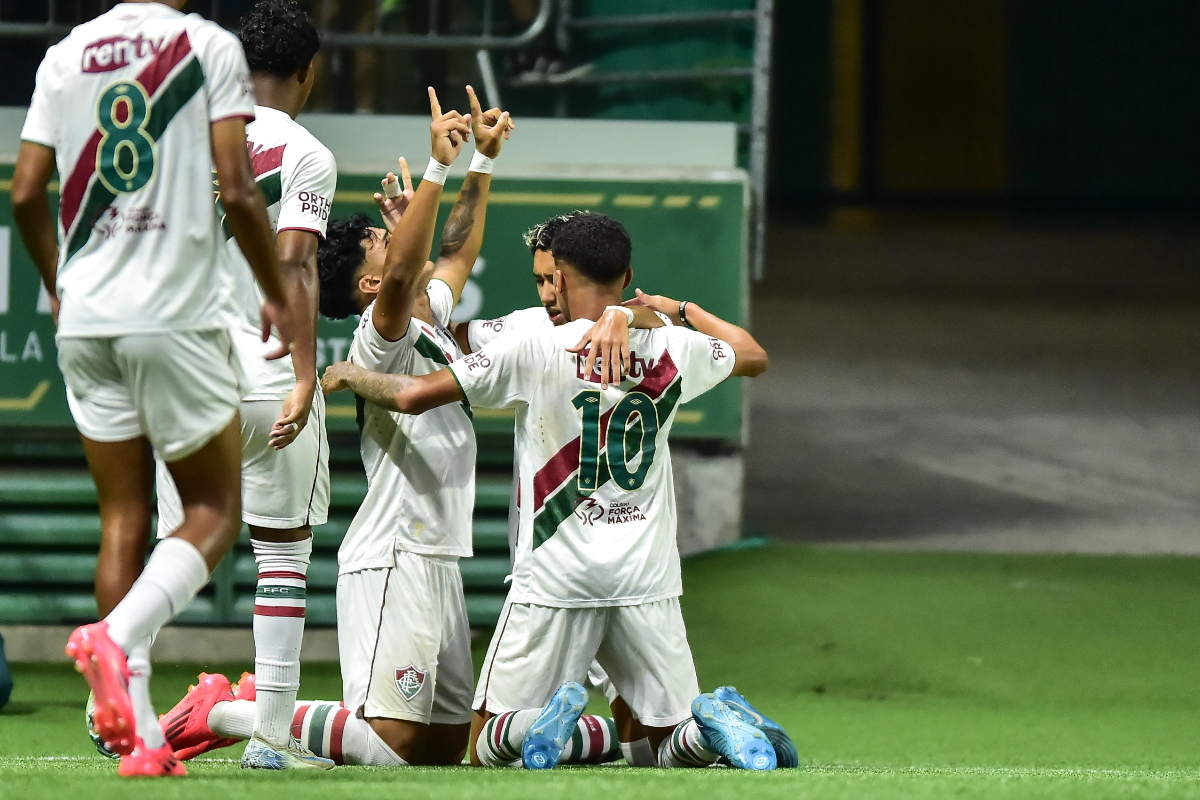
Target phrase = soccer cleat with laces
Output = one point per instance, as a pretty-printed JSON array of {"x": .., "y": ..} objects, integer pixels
[
  {"x": 146, "y": 763},
  {"x": 548, "y": 736},
  {"x": 261, "y": 755},
  {"x": 185, "y": 726},
  {"x": 741, "y": 744},
  {"x": 785, "y": 750},
  {"x": 106, "y": 670}
]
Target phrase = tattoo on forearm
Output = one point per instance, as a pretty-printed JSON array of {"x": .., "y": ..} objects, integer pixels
[
  {"x": 379, "y": 389},
  {"x": 462, "y": 218}
]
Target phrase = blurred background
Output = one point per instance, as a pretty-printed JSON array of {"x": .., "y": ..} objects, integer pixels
[{"x": 968, "y": 241}]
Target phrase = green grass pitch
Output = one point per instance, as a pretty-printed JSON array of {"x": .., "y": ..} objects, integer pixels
[{"x": 899, "y": 675}]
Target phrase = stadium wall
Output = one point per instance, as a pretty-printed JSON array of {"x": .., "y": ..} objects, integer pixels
[{"x": 674, "y": 185}]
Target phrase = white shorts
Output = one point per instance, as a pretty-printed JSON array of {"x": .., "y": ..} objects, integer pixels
[
  {"x": 179, "y": 390},
  {"x": 281, "y": 489},
  {"x": 404, "y": 641},
  {"x": 643, "y": 648},
  {"x": 598, "y": 679}
]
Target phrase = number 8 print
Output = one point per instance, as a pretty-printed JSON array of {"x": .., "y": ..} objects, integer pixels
[{"x": 125, "y": 159}]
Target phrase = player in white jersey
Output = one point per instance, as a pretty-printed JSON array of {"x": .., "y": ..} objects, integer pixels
[
  {"x": 134, "y": 109},
  {"x": 285, "y": 451},
  {"x": 597, "y": 568},
  {"x": 398, "y": 560},
  {"x": 634, "y": 745},
  {"x": 475, "y": 334}
]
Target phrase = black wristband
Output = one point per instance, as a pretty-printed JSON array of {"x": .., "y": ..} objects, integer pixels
[{"x": 683, "y": 315}]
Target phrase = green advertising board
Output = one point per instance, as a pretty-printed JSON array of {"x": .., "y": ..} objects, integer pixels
[{"x": 689, "y": 241}]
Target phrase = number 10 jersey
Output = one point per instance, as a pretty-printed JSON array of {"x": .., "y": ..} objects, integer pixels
[{"x": 597, "y": 522}]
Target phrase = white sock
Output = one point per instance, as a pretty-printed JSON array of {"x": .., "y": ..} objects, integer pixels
[
  {"x": 323, "y": 726},
  {"x": 639, "y": 753},
  {"x": 232, "y": 719},
  {"x": 685, "y": 747},
  {"x": 173, "y": 575},
  {"x": 329, "y": 730},
  {"x": 279, "y": 606},
  {"x": 139, "y": 693},
  {"x": 499, "y": 743}
]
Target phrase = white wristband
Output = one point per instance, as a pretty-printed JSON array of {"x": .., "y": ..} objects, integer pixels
[
  {"x": 628, "y": 313},
  {"x": 481, "y": 164},
  {"x": 436, "y": 172}
]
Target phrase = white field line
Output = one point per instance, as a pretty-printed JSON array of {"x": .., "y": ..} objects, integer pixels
[{"x": 1034, "y": 772}]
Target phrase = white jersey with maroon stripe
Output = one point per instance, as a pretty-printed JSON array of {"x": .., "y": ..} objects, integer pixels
[
  {"x": 297, "y": 175},
  {"x": 126, "y": 101},
  {"x": 597, "y": 500},
  {"x": 420, "y": 469}
]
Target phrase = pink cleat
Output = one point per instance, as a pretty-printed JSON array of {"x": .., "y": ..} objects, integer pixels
[
  {"x": 245, "y": 688},
  {"x": 144, "y": 763},
  {"x": 185, "y": 726},
  {"x": 106, "y": 670}
]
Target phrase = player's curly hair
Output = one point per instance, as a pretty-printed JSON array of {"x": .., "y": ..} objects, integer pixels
[
  {"x": 279, "y": 38},
  {"x": 541, "y": 236},
  {"x": 594, "y": 244},
  {"x": 338, "y": 258}
]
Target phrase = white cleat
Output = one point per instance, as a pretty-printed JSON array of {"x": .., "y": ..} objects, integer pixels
[{"x": 261, "y": 755}]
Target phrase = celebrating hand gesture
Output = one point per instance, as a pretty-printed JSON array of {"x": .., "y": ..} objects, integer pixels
[
  {"x": 448, "y": 131},
  {"x": 491, "y": 127},
  {"x": 393, "y": 200}
]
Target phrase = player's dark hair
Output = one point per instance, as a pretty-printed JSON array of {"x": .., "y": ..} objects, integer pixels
[
  {"x": 338, "y": 260},
  {"x": 279, "y": 38},
  {"x": 541, "y": 236},
  {"x": 594, "y": 244}
]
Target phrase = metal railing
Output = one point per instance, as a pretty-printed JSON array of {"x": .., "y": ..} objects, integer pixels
[
  {"x": 54, "y": 27},
  {"x": 759, "y": 73}
]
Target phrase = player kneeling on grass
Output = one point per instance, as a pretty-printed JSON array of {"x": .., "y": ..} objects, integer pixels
[
  {"x": 285, "y": 451},
  {"x": 597, "y": 567}
]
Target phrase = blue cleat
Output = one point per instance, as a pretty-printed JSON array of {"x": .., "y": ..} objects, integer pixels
[
  {"x": 785, "y": 749},
  {"x": 741, "y": 744},
  {"x": 551, "y": 731}
]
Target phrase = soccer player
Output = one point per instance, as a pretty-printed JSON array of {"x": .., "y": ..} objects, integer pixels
[
  {"x": 474, "y": 335},
  {"x": 402, "y": 625},
  {"x": 597, "y": 569},
  {"x": 285, "y": 452},
  {"x": 134, "y": 108}
]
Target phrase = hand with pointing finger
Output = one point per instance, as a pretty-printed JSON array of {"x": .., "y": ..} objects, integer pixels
[
  {"x": 491, "y": 127},
  {"x": 447, "y": 132}
]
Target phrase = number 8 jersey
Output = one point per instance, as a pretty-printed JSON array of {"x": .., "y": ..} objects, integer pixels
[
  {"x": 126, "y": 101},
  {"x": 597, "y": 522}
]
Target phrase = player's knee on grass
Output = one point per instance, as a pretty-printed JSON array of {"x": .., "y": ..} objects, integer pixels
[
  {"x": 406, "y": 738},
  {"x": 479, "y": 719},
  {"x": 628, "y": 728},
  {"x": 446, "y": 744}
]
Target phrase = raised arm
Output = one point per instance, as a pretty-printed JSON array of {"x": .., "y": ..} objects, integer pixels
[
  {"x": 408, "y": 394},
  {"x": 409, "y": 247},
  {"x": 31, "y": 209},
  {"x": 462, "y": 237},
  {"x": 750, "y": 359}
]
